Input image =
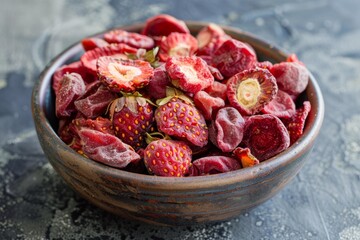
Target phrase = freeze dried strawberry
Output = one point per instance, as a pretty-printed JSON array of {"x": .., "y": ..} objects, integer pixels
[
  {"x": 168, "y": 158},
  {"x": 130, "y": 38},
  {"x": 213, "y": 165},
  {"x": 293, "y": 58},
  {"x": 217, "y": 89},
  {"x": 190, "y": 74},
  {"x": 120, "y": 51},
  {"x": 158, "y": 83},
  {"x": 296, "y": 123},
  {"x": 75, "y": 67},
  {"x": 92, "y": 43},
  {"x": 64, "y": 130},
  {"x": 227, "y": 130},
  {"x": 281, "y": 106},
  {"x": 177, "y": 45},
  {"x": 163, "y": 25},
  {"x": 96, "y": 103},
  {"x": 72, "y": 87},
  {"x": 265, "y": 136},
  {"x": 250, "y": 90},
  {"x": 207, "y": 104},
  {"x": 132, "y": 116},
  {"x": 106, "y": 148},
  {"x": 266, "y": 64},
  {"x": 123, "y": 75},
  {"x": 101, "y": 124},
  {"x": 216, "y": 73},
  {"x": 179, "y": 118},
  {"x": 291, "y": 77},
  {"x": 210, "y": 38},
  {"x": 233, "y": 57},
  {"x": 245, "y": 157}
]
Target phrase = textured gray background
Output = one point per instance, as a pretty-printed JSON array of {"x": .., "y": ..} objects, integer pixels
[{"x": 323, "y": 202}]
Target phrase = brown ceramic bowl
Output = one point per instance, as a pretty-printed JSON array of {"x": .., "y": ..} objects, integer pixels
[{"x": 173, "y": 201}]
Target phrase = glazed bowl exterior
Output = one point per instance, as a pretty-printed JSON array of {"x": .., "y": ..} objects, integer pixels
[{"x": 172, "y": 201}]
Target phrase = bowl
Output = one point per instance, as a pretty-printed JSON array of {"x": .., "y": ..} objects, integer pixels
[{"x": 164, "y": 200}]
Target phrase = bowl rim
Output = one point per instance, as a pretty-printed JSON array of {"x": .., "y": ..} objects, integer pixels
[{"x": 245, "y": 175}]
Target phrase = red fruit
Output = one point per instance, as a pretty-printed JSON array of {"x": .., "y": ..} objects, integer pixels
[
  {"x": 130, "y": 38},
  {"x": 96, "y": 103},
  {"x": 293, "y": 58},
  {"x": 266, "y": 64},
  {"x": 168, "y": 158},
  {"x": 245, "y": 157},
  {"x": 216, "y": 73},
  {"x": 72, "y": 87},
  {"x": 190, "y": 74},
  {"x": 296, "y": 123},
  {"x": 281, "y": 106},
  {"x": 217, "y": 89},
  {"x": 227, "y": 130},
  {"x": 124, "y": 75},
  {"x": 291, "y": 77},
  {"x": 132, "y": 116},
  {"x": 265, "y": 136},
  {"x": 210, "y": 38},
  {"x": 207, "y": 104},
  {"x": 213, "y": 165},
  {"x": 158, "y": 83},
  {"x": 182, "y": 120},
  {"x": 92, "y": 43},
  {"x": 250, "y": 90},
  {"x": 106, "y": 148},
  {"x": 233, "y": 57},
  {"x": 163, "y": 25},
  {"x": 177, "y": 45},
  {"x": 120, "y": 51},
  {"x": 101, "y": 124}
]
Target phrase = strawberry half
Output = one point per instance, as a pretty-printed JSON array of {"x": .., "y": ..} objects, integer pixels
[
  {"x": 177, "y": 45},
  {"x": 130, "y": 38},
  {"x": 124, "y": 75},
  {"x": 163, "y": 25},
  {"x": 132, "y": 116},
  {"x": 92, "y": 43},
  {"x": 179, "y": 118},
  {"x": 120, "y": 50},
  {"x": 190, "y": 74},
  {"x": 168, "y": 158}
]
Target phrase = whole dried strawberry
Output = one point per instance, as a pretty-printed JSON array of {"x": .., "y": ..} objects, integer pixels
[
  {"x": 179, "y": 118},
  {"x": 130, "y": 38},
  {"x": 124, "y": 75},
  {"x": 168, "y": 158},
  {"x": 177, "y": 45},
  {"x": 132, "y": 116}
]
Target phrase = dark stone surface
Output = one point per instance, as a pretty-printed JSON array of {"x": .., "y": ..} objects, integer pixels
[{"x": 321, "y": 203}]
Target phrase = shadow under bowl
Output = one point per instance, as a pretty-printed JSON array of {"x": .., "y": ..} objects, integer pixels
[{"x": 172, "y": 201}]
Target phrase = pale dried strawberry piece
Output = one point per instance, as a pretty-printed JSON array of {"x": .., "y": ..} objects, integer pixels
[
  {"x": 250, "y": 90},
  {"x": 265, "y": 136},
  {"x": 158, "y": 83},
  {"x": 123, "y": 75},
  {"x": 245, "y": 157},
  {"x": 210, "y": 38},
  {"x": 190, "y": 74},
  {"x": 93, "y": 42},
  {"x": 207, "y": 104},
  {"x": 177, "y": 45},
  {"x": 291, "y": 77},
  {"x": 120, "y": 50},
  {"x": 216, "y": 73},
  {"x": 227, "y": 130},
  {"x": 163, "y": 25},
  {"x": 96, "y": 103},
  {"x": 72, "y": 87},
  {"x": 233, "y": 57},
  {"x": 130, "y": 38},
  {"x": 107, "y": 148},
  {"x": 217, "y": 89},
  {"x": 296, "y": 123},
  {"x": 213, "y": 165},
  {"x": 281, "y": 106}
]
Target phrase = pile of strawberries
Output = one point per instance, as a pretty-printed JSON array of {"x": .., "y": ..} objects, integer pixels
[{"x": 167, "y": 103}]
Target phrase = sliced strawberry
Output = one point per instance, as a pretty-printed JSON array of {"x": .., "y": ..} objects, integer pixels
[
  {"x": 210, "y": 38},
  {"x": 245, "y": 157},
  {"x": 217, "y": 89},
  {"x": 265, "y": 64},
  {"x": 168, "y": 158},
  {"x": 281, "y": 106},
  {"x": 293, "y": 58},
  {"x": 233, "y": 57},
  {"x": 177, "y": 45},
  {"x": 216, "y": 73},
  {"x": 130, "y": 38},
  {"x": 158, "y": 83},
  {"x": 92, "y": 43},
  {"x": 207, "y": 104},
  {"x": 90, "y": 58},
  {"x": 163, "y": 25},
  {"x": 123, "y": 75},
  {"x": 190, "y": 74},
  {"x": 213, "y": 165}
]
